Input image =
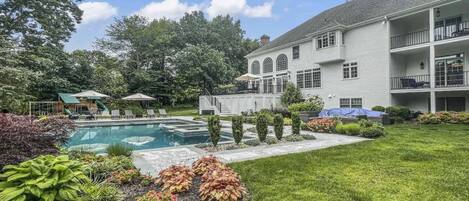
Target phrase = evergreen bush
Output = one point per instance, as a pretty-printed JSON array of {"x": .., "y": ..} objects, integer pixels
[
  {"x": 214, "y": 128},
  {"x": 278, "y": 126}
]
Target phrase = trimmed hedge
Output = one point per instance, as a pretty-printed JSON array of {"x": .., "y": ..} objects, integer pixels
[
  {"x": 262, "y": 127},
  {"x": 237, "y": 127},
  {"x": 296, "y": 123},
  {"x": 444, "y": 117},
  {"x": 278, "y": 126},
  {"x": 214, "y": 128}
]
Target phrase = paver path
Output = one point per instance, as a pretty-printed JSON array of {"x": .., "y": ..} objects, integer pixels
[{"x": 152, "y": 161}]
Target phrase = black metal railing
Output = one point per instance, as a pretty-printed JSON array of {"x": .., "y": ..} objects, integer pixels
[
  {"x": 453, "y": 79},
  {"x": 410, "y": 82},
  {"x": 409, "y": 39},
  {"x": 452, "y": 31}
]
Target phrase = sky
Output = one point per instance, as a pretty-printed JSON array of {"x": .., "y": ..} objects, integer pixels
[{"x": 258, "y": 17}]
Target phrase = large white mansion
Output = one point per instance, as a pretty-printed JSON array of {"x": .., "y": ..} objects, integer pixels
[{"x": 365, "y": 53}]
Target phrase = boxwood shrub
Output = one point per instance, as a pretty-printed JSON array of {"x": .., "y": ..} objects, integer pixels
[
  {"x": 278, "y": 126},
  {"x": 262, "y": 127},
  {"x": 214, "y": 128},
  {"x": 296, "y": 123},
  {"x": 237, "y": 128}
]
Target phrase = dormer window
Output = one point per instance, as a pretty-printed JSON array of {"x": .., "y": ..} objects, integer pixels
[{"x": 326, "y": 40}]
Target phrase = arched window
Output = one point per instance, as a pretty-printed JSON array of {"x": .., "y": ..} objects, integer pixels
[
  {"x": 256, "y": 68},
  {"x": 268, "y": 65},
  {"x": 282, "y": 62}
]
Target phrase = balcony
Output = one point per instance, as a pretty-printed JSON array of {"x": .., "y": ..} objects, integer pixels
[
  {"x": 447, "y": 30},
  {"x": 410, "y": 82},
  {"x": 450, "y": 80},
  {"x": 410, "y": 39}
]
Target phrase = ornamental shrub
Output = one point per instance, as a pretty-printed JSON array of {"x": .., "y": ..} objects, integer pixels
[
  {"x": 271, "y": 140},
  {"x": 296, "y": 123},
  {"x": 237, "y": 128},
  {"x": 101, "y": 167},
  {"x": 339, "y": 128},
  {"x": 398, "y": 114},
  {"x": 157, "y": 196},
  {"x": 204, "y": 164},
  {"x": 444, "y": 117},
  {"x": 214, "y": 128},
  {"x": 120, "y": 177},
  {"x": 373, "y": 131},
  {"x": 262, "y": 127},
  {"x": 101, "y": 192},
  {"x": 294, "y": 138},
  {"x": 322, "y": 125},
  {"x": 379, "y": 108},
  {"x": 278, "y": 126},
  {"x": 119, "y": 150},
  {"x": 43, "y": 178},
  {"x": 352, "y": 129},
  {"x": 176, "y": 179},
  {"x": 23, "y": 138},
  {"x": 252, "y": 142},
  {"x": 221, "y": 184},
  {"x": 291, "y": 95}
]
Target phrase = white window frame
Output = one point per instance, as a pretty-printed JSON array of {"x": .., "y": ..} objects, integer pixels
[
  {"x": 293, "y": 52},
  {"x": 325, "y": 40},
  {"x": 348, "y": 69},
  {"x": 317, "y": 70},
  {"x": 302, "y": 80},
  {"x": 350, "y": 103}
]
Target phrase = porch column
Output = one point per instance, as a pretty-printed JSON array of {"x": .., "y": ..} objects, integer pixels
[
  {"x": 433, "y": 102},
  {"x": 432, "y": 67},
  {"x": 432, "y": 24}
]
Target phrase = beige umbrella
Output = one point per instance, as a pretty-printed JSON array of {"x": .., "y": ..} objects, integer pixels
[
  {"x": 139, "y": 97},
  {"x": 90, "y": 93},
  {"x": 248, "y": 77}
]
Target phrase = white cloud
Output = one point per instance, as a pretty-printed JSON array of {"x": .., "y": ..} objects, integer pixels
[
  {"x": 172, "y": 9},
  {"x": 239, "y": 7},
  {"x": 96, "y": 11}
]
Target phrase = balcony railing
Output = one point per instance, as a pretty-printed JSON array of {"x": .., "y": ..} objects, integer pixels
[
  {"x": 453, "y": 79},
  {"x": 452, "y": 31},
  {"x": 409, "y": 39},
  {"x": 410, "y": 82}
]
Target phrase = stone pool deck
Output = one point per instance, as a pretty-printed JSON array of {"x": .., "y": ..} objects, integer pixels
[{"x": 152, "y": 161}]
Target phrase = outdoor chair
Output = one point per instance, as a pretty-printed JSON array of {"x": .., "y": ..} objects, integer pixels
[
  {"x": 115, "y": 114},
  {"x": 105, "y": 114},
  {"x": 151, "y": 113},
  {"x": 162, "y": 113},
  {"x": 129, "y": 114},
  {"x": 411, "y": 83}
]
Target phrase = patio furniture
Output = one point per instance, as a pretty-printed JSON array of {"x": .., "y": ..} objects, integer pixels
[
  {"x": 129, "y": 114},
  {"x": 411, "y": 83},
  {"x": 151, "y": 113},
  {"x": 72, "y": 115},
  {"x": 162, "y": 113},
  {"x": 461, "y": 32},
  {"x": 104, "y": 114},
  {"x": 115, "y": 114}
]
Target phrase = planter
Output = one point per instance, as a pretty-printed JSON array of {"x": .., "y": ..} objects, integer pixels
[{"x": 305, "y": 116}]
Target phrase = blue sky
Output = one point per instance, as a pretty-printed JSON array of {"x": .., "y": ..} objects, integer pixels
[{"x": 271, "y": 17}]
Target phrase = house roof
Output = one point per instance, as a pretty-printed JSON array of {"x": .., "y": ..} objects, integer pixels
[
  {"x": 347, "y": 14},
  {"x": 68, "y": 98}
]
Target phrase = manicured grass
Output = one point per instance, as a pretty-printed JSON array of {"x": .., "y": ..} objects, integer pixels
[
  {"x": 182, "y": 111},
  {"x": 411, "y": 163}
]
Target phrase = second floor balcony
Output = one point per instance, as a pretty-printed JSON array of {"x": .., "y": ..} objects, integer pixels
[{"x": 442, "y": 80}]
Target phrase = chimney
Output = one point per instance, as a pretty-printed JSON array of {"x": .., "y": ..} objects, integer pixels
[{"x": 265, "y": 39}]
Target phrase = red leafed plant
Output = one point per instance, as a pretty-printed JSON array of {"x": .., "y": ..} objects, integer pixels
[
  {"x": 324, "y": 125},
  {"x": 22, "y": 138},
  {"x": 124, "y": 176},
  {"x": 204, "y": 164},
  {"x": 176, "y": 179},
  {"x": 157, "y": 196},
  {"x": 221, "y": 184}
]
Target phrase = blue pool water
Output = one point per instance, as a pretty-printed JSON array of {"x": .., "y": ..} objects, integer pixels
[{"x": 139, "y": 137}]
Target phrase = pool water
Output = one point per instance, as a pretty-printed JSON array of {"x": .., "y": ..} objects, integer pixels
[{"x": 140, "y": 137}]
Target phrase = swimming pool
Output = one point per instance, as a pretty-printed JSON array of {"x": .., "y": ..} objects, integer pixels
[{"x": 140, "y": 136}]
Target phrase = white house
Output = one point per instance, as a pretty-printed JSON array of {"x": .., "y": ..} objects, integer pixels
[{"x": 365, "y": 53}]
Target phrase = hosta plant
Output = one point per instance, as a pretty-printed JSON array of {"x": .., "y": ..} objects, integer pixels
[
  {"x": 157, "y": 196},
  {"x": 221, "y": 184},
  {"x": 45, "y": 178},
  {"x": 124, "y": 176},
  {"x": 176, "y": 179},
  {"x": 204, "y": 164}
]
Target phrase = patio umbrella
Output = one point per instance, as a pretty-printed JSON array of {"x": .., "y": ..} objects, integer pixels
[
  {"x": 248, "y": 77},
  {"x": 90, "y": 93},
  {"x": 139, "y": 97}
]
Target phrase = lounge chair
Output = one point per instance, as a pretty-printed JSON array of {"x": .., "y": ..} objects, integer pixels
[
  {"x": 72, "y": 115},
  {"x": 129, "y": 114},
  {"x": 115, "y": 114},
  {"x": 162, "y": 113},
  {"x": 151, "y": 113},
  {"x": 105, "y": 114}
]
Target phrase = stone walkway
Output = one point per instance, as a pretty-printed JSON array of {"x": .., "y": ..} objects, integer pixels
[{"x": 152, "y": 161}]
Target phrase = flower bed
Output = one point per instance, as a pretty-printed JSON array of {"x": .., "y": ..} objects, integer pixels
[
  {"x": 364, "y": 128},
  {"x": 444, "y": 117}
]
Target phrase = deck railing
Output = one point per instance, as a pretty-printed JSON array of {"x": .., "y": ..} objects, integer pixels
[
  {"x": 409, "y": 39},
  {"x": 410, "y": 82},
  {"x": 447, "y": 32},
  {"x": 453, "y": 79}
]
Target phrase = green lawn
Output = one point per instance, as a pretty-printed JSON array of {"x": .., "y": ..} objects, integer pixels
[
  {"x": 411, "y": 163},
  {"x": 182, "y": 111}
]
